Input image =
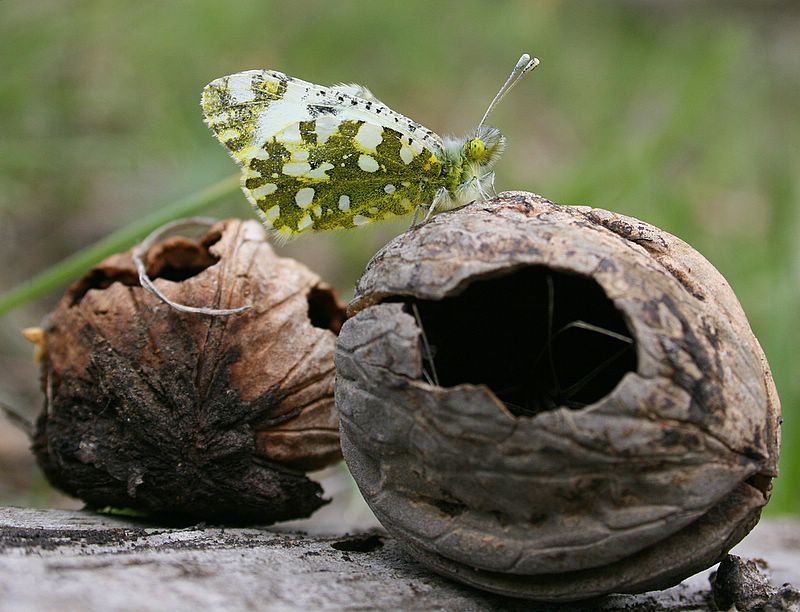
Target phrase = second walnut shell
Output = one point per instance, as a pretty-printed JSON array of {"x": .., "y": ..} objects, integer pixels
[
  {"x": 205, "y": 418},
  {"x": 605, "y": 420}
]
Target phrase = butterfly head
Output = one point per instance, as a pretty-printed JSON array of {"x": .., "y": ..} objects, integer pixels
[
  {"x": 484, "y": 148},
  {"x": 471, "y": 176},
  {"x": 469, "y": 164}
]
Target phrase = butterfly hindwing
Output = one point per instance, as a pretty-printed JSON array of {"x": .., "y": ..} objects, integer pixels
[
  {"x": 320, "y": 158},
  {"x": 328, "y": 173}
]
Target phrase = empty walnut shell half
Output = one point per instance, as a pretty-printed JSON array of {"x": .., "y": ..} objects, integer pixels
[
  {"x": 193, "y": 416},
  {"x": 555, "y": 402}
]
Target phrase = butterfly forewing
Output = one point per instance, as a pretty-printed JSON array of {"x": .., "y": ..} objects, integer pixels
[{"x": 319, "y": 158}]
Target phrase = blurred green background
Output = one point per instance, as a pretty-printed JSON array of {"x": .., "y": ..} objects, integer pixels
[{"x": 685, "y": 114}]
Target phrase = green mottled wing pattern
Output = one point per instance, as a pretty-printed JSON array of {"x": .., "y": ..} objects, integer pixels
[
  {"x": 316, "y": 158},
  {"x": 338, "y": 184}
]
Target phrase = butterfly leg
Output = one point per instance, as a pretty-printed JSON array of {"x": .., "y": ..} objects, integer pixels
[
  {"x": 414, "y": 219},
  {"x": 419, "y": 207},
  {"x": 441, "y": 196},
  {"x": 489, "y": 193}
]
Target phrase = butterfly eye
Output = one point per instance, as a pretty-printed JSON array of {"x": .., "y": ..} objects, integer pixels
[{"x": 475, "y": 149}]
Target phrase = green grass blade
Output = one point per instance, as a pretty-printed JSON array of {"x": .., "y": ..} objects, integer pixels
[{"x": 74, "y": 265}]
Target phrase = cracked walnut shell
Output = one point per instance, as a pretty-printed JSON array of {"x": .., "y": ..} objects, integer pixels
[
  {"x": 192, "y": 416},
  {"x": 555, "y": 402}
]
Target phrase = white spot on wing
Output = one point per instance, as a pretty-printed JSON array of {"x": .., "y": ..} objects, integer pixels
[
  {"x": 220, "y": 117},
  {"x": 254, "y": 153},
  {"x": 248, "y": 172},
  {"x": 369, "y": 136},
  {"x": 317, "y": 210},
  {"x": 290, "y": 134},
  {"x": 272, "y": 214},
  {"x": 229, "y": 134},
  {"x": 360, "y": 220},
  {"x": 300, "y": 155},
  {"x": 305, "y": 223},
  {"x": 326, "y": 125},
  {"x": 240, "y": 87},
  {"x": 296, "y": 168},
  {"x": 367, "y": 163},
  {"x": 304, "y": 196},
  {"x": 406, "y": 154},
  {"x": 264, "y": 190},
  {"x": 344, "y": 202},
  {"x": 320, "y": 171},
  {"x": 389, "y": 188}
]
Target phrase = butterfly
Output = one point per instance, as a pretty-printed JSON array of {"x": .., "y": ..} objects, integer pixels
[{"x": 323, "y": 158}]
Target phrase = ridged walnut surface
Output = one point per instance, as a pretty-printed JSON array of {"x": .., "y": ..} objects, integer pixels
[
  {"x": 649, "y": 484},
  {"x": 187, "y": 415}
]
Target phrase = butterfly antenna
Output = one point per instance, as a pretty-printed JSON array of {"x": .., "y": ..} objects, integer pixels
[{"x": 525, "y": 64}]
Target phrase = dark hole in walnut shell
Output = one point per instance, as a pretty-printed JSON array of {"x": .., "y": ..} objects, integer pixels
[
  {"x": 176, "y": 259},
  {"x": 538, "y": 338},
  {"x": 324, "y": 310},
  {"x": 654, "y": 481}
]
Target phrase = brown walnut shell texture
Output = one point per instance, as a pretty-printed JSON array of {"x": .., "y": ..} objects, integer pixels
[
  {"x": 649, "y": 483},
  {"x": 188, "y": 415}
]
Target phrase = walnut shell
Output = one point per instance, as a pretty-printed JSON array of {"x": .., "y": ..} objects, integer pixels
[
  {"x": 605, "y": 419},
  {"x": 186, "y": 415}
]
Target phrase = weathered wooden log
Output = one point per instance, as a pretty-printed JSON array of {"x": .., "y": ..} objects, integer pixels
[
  {"x": 555, "y": 402},
  {"x": 68, "y": 560}
]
